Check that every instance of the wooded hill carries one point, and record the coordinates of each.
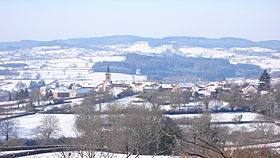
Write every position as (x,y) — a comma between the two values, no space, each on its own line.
(171,65)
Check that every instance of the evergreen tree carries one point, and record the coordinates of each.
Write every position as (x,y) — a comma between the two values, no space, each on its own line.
(264,81)
(33,85)
(41,83)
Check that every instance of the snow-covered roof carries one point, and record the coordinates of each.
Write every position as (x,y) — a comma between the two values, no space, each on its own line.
(83,90)
(148,87)
(117,90)
(63,90)
(49,87)
(249,86)
(186,84)
(166,86)
(85,84)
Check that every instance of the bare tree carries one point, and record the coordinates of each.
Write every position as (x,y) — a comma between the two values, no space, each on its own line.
(48,128)
(8,128)
(35,96)
(200,138)
(263,130)
(89,130)
(129,130)
(142,131)
(206,101)
(234,98)
(180,98)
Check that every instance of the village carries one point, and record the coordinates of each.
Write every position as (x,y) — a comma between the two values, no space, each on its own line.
(241,110)
(230,95)
(238,106)
(54,92)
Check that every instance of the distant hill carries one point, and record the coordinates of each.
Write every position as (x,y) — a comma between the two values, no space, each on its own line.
(168,58)
(226,42)
(175,66)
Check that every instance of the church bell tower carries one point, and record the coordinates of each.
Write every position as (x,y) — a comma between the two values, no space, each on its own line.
(108,75)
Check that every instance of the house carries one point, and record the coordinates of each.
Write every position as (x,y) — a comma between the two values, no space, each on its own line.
(197,88)
(224,85)
(212,89)
(79,92)
(250,88)
(183,86)
(61,93)
(137,87)
(166,87)
(152,87)
(45,89)
(77,86)
(212,92)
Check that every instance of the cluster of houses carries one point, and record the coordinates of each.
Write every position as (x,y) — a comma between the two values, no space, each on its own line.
(117,89)
(82,89)
(200,89)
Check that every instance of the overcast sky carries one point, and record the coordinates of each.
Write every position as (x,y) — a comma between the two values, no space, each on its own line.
(62,19)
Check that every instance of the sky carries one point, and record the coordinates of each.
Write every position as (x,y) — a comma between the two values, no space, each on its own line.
(62,19)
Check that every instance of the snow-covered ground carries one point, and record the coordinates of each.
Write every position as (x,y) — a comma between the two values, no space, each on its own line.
(66,122)
(12,152)
(55,57)
(250,127)
(222,117)
(275,145)
(64,69)
(141,47)
(27,124)
(250,55)
(233,116)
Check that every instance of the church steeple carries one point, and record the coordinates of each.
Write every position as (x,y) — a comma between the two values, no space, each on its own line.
(108,75)
(108,69)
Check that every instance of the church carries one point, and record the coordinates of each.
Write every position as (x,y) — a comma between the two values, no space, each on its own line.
(107,84)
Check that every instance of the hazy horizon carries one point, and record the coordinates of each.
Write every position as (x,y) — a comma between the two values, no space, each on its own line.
(46,20)
(134,35)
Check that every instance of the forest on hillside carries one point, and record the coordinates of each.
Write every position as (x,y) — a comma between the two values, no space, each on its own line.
(168,66)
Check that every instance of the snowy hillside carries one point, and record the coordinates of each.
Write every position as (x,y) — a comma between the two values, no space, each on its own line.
(73,59)
(248,53)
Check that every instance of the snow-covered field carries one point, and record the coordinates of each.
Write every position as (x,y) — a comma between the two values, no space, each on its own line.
(44,59)
(27,124)
(75,64)
(275,145)
(250,127)
(222,117)
(12,152)
(66,122)
(64,69)
(232,116)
